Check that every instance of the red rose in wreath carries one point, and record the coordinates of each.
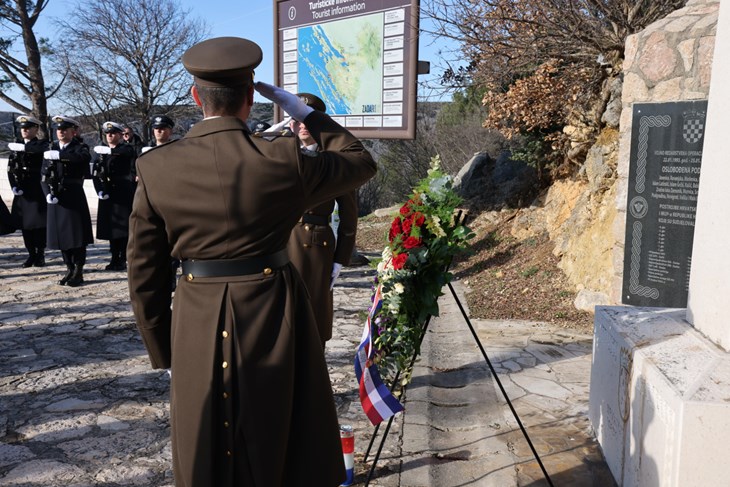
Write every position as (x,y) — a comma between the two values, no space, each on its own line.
(418,218)
(411,242)
(399,261)
(395,229)
(407,223)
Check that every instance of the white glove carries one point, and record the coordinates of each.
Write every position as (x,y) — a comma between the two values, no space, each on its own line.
(103,150)
(169,373)
(279,126)
(336,268)
(145,149)
(289,102)
(103,195)
(52,155)
(51,200)
(16,147)
(17,192)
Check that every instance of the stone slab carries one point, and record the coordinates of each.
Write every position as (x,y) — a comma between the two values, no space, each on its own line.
(658,391)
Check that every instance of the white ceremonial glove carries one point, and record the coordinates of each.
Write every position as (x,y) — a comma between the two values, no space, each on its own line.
(52,155)
(279,126)
(16,147)
(169,373)
(336,268)
(289,102)
(17,191)
(145,149)
(51,200)
(102,150)
(103,195)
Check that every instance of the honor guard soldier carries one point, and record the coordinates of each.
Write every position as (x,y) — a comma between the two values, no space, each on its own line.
(29,204)
(62,177)
(313,248)
(251,397)
(162,126)
(114,177)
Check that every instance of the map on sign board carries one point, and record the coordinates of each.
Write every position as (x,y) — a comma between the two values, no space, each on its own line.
(342,62)
(358,56)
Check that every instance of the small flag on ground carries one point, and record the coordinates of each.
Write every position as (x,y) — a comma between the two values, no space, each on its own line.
(377,401)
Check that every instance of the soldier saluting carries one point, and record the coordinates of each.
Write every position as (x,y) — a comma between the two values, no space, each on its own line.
(251,401)
(62,177)
(114,180)
(29,203)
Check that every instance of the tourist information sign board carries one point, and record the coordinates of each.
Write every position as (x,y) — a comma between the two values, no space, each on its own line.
(359,56)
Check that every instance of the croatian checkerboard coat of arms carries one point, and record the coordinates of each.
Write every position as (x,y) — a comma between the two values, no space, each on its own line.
(693,128)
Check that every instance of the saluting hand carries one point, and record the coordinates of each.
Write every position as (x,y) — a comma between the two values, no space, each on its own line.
(289,102)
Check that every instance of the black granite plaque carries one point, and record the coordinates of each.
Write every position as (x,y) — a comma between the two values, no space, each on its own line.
(664,177)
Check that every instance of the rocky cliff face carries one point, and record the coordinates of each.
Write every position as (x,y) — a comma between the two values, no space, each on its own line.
(585,216)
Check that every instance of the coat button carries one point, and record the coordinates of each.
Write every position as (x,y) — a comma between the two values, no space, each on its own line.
(306,227)
(228,453)
(324,244)
(225,395)
(224,365)
(226,424)
(267,271)
(190,277)
(225,334)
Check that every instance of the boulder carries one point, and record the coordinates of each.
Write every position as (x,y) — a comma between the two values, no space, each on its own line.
(496,183)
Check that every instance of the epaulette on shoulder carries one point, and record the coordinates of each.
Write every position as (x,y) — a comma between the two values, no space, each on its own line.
(273,135)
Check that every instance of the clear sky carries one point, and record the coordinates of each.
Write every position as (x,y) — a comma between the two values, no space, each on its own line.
(253,20)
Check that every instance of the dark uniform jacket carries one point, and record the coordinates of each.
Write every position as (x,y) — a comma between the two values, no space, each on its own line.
(114,175)
(251,401)
(6,223)
(313,249)
(69,221)
(29,209)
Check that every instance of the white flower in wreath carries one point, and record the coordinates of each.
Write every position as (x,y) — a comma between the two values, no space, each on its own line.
(439,185)
(436,227)
(399,288)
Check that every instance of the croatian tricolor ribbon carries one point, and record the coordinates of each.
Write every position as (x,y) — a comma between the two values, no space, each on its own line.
(377,401)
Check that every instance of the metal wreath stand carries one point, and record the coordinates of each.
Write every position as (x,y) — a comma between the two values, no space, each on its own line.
(462,220)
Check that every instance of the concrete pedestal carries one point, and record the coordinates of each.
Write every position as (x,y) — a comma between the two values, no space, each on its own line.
(660,399)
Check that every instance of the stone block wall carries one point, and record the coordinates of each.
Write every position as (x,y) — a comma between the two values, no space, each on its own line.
(669,61)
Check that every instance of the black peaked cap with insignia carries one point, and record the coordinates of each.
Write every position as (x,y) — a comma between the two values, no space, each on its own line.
(160,121)
(222,61)
(313,101)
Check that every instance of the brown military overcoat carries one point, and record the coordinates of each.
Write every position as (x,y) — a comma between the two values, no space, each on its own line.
(251,401)
(313,249)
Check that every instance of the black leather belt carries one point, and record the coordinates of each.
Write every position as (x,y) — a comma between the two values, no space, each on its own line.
(234,267)
(315,219)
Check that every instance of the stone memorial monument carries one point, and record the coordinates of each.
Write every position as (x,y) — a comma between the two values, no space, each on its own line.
(660,381)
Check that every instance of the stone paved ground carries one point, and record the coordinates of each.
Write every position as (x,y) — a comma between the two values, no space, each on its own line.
(79,405)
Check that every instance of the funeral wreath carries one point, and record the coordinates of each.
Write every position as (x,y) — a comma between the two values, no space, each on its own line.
(424,236)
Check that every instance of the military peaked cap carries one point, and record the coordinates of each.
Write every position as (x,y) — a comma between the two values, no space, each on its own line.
(313,101)
(258,125)
(160,121)
(223,61)
(110,127)
(64,122)
(25,121)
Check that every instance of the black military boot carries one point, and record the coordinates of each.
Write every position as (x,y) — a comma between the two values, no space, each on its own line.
(77,276)
(69,272)
(112,265)
(40,257)
(31,258)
